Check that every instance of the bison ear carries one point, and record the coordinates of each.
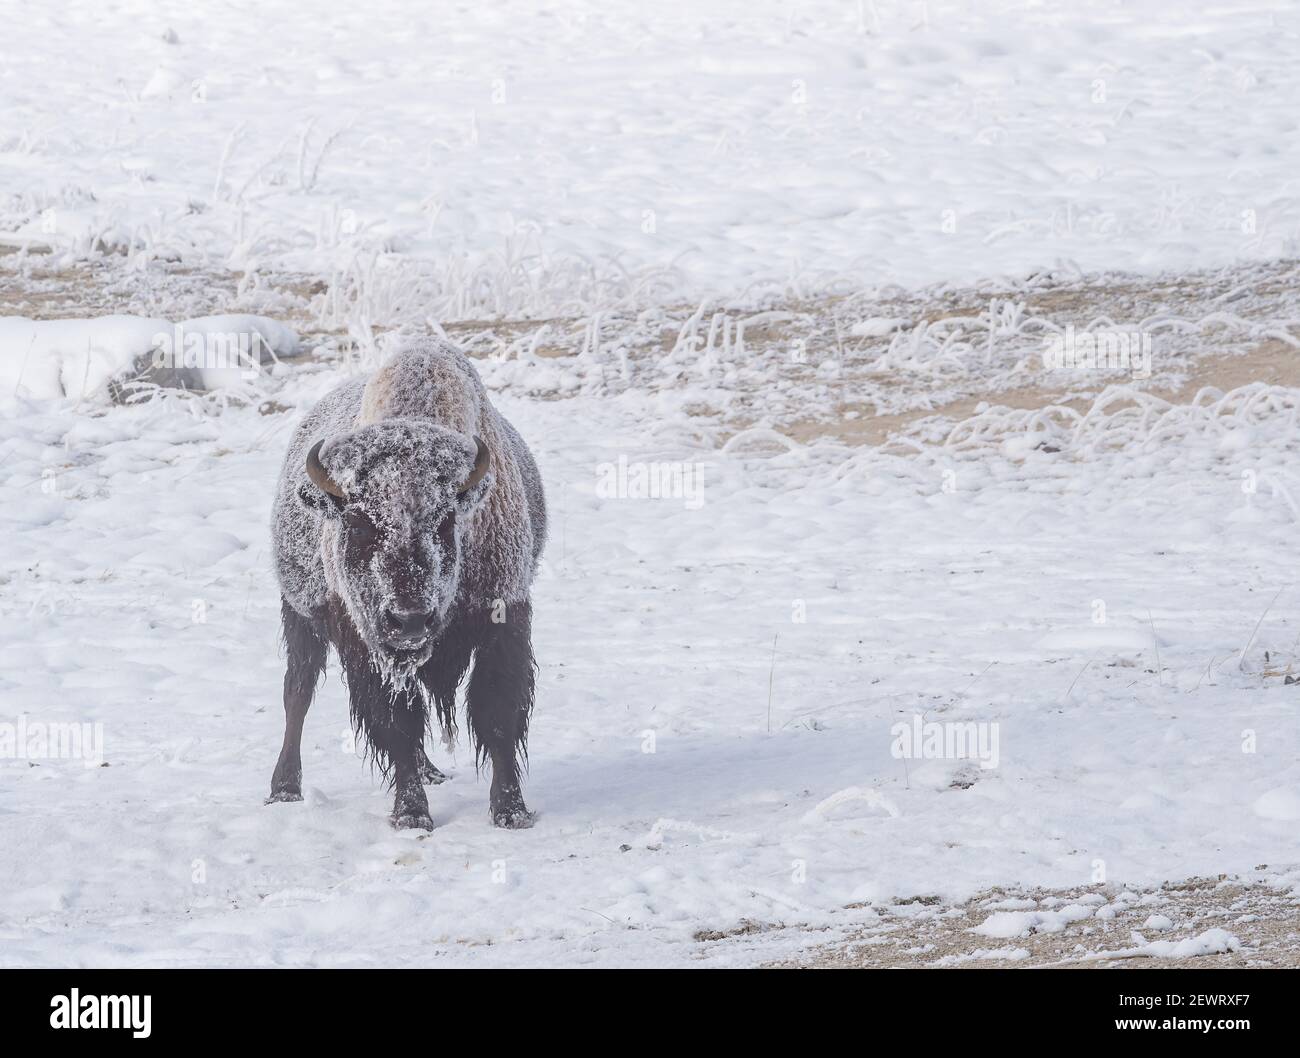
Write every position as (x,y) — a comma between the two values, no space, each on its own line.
(321,502)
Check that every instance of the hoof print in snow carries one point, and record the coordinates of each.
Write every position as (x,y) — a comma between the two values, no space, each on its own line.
(964,779)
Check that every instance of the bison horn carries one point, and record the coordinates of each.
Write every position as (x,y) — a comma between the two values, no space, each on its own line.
(319,474)
(480,467)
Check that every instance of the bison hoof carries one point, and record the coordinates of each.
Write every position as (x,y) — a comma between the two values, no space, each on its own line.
(516,817)
(412,821)
(278,796)
(431,776)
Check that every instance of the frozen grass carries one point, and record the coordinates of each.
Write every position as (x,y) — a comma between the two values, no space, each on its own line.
(856,366)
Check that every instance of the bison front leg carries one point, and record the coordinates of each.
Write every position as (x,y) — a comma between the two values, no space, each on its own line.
(390,719)
(393,723)
(499,700)
(306,646)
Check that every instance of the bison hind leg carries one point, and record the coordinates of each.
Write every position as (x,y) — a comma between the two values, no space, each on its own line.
(429,774)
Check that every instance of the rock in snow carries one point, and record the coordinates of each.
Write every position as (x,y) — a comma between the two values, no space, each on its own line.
(87,358)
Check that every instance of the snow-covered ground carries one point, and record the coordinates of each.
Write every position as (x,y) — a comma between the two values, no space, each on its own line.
(1104,595)
(720,675)
(542,155)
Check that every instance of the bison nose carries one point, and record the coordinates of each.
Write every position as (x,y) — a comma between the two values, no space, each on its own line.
(409,625)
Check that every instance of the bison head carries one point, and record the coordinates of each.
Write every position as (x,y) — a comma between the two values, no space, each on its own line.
(397,496)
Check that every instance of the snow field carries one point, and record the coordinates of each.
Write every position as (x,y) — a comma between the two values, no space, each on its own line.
(562,154)
(138,594)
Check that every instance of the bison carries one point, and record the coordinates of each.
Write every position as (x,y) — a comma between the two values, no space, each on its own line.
(407,529)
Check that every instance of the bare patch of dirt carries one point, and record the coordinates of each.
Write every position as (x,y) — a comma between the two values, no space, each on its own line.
(43,287)
(867,429)
(1225,353)
(1263,919)
(1273,362)
(808,368)
(747,928)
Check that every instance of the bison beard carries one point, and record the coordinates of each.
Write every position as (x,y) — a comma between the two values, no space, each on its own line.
(485,630)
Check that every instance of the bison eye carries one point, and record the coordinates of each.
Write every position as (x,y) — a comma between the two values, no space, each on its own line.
(361,530)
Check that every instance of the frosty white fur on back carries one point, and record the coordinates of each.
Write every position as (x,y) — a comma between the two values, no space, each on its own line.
(424,405)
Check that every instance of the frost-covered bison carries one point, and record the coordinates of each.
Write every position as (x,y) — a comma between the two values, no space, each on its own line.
(407,529)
